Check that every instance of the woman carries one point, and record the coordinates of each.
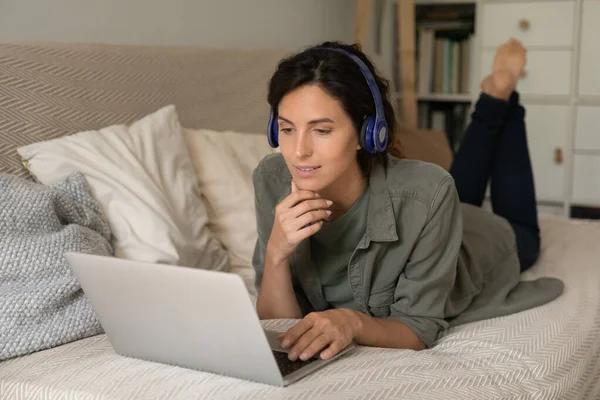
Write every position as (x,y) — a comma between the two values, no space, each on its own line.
(379,250)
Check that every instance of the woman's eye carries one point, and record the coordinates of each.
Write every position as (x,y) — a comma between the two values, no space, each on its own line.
(286,130)
(323,131)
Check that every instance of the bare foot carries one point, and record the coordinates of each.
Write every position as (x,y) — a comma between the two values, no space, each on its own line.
(499,84)
(487,85)
(509,65)
(510,56)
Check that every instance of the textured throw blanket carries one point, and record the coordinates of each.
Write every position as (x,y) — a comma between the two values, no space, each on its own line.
(41,302)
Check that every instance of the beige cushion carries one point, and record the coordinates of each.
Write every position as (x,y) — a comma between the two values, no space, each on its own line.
(425,145)
(144,180)
(224,162)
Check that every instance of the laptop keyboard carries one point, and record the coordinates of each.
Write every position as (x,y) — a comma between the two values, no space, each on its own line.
(286,366)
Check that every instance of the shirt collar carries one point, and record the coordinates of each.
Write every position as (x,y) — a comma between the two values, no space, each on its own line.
(381,221)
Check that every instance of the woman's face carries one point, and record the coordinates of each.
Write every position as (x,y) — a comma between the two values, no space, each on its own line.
(317,139)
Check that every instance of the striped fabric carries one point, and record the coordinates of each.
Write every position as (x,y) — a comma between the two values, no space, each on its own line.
(51,90)
(550,352)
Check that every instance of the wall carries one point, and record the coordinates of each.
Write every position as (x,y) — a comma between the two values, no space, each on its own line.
(215,23)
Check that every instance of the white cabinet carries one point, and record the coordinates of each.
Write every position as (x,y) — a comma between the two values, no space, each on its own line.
(547,127)
(547,28)
(587,129)
(586,180)
(586,164)
(548,72)
(589,64)
(560,89)
(539,24)
(585,187)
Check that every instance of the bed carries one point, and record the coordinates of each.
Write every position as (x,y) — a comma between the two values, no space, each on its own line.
(49,90)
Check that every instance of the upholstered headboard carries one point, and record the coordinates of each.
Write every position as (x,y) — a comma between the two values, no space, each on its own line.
(51,90)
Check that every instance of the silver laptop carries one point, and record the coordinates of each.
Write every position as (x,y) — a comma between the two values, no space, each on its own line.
(192,318)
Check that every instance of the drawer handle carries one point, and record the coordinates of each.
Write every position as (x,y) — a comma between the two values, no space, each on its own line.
(558,155)
(524,24)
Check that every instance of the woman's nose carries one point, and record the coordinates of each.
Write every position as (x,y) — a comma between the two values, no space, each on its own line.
(303,145)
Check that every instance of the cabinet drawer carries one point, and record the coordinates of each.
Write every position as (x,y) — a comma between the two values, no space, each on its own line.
(548,72)
(589,65)
(586,180)
(546,134)
(587,130)
(546,24)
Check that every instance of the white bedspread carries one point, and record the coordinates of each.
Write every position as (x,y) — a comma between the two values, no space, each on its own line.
(549,352)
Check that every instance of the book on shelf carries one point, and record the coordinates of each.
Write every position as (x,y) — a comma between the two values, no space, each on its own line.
(452,118)
(443,45)
(442,63)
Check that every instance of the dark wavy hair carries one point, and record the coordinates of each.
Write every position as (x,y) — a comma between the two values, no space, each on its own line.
(342,79)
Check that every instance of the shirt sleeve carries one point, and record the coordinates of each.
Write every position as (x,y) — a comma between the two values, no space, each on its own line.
(264,206)
(430,272)
(264,225)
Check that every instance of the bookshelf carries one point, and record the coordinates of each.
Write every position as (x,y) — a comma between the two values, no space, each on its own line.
(444,33)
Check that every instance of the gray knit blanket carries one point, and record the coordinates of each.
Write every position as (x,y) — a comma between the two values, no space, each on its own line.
(41,302)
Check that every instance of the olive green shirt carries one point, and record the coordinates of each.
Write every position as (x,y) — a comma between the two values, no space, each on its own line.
(331,248)
(424,259)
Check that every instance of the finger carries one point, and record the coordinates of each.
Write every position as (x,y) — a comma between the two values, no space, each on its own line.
(306,232)
(297,197)
(335,347)
(317,344)
(294,333)
(302,346)
(294,187)
(309,218)
(309,205)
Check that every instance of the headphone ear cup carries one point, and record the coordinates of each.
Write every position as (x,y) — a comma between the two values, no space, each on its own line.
(274,135)
(366,135)
(381,136)
(362,137)
(272,130)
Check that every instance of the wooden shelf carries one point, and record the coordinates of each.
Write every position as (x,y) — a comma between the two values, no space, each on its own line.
(447,97)
(426,2)
(586,152)
(587,100)
(450,97)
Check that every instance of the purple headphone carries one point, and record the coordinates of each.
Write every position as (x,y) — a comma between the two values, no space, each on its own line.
(374,131)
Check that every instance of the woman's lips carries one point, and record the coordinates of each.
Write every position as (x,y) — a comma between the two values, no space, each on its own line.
(306,171)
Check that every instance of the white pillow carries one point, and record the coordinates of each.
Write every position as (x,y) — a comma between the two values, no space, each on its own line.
(224,162)
(144,180)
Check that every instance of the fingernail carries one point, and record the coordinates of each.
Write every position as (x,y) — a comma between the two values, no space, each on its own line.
(292,356)
(304,356)
(324,355)
(329,202)
(328,212)
(285,343)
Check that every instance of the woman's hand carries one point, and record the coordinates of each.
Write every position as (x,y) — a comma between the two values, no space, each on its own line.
(334,329)
(297,217)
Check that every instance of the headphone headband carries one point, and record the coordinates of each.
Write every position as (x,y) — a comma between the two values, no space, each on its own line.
(379,114)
